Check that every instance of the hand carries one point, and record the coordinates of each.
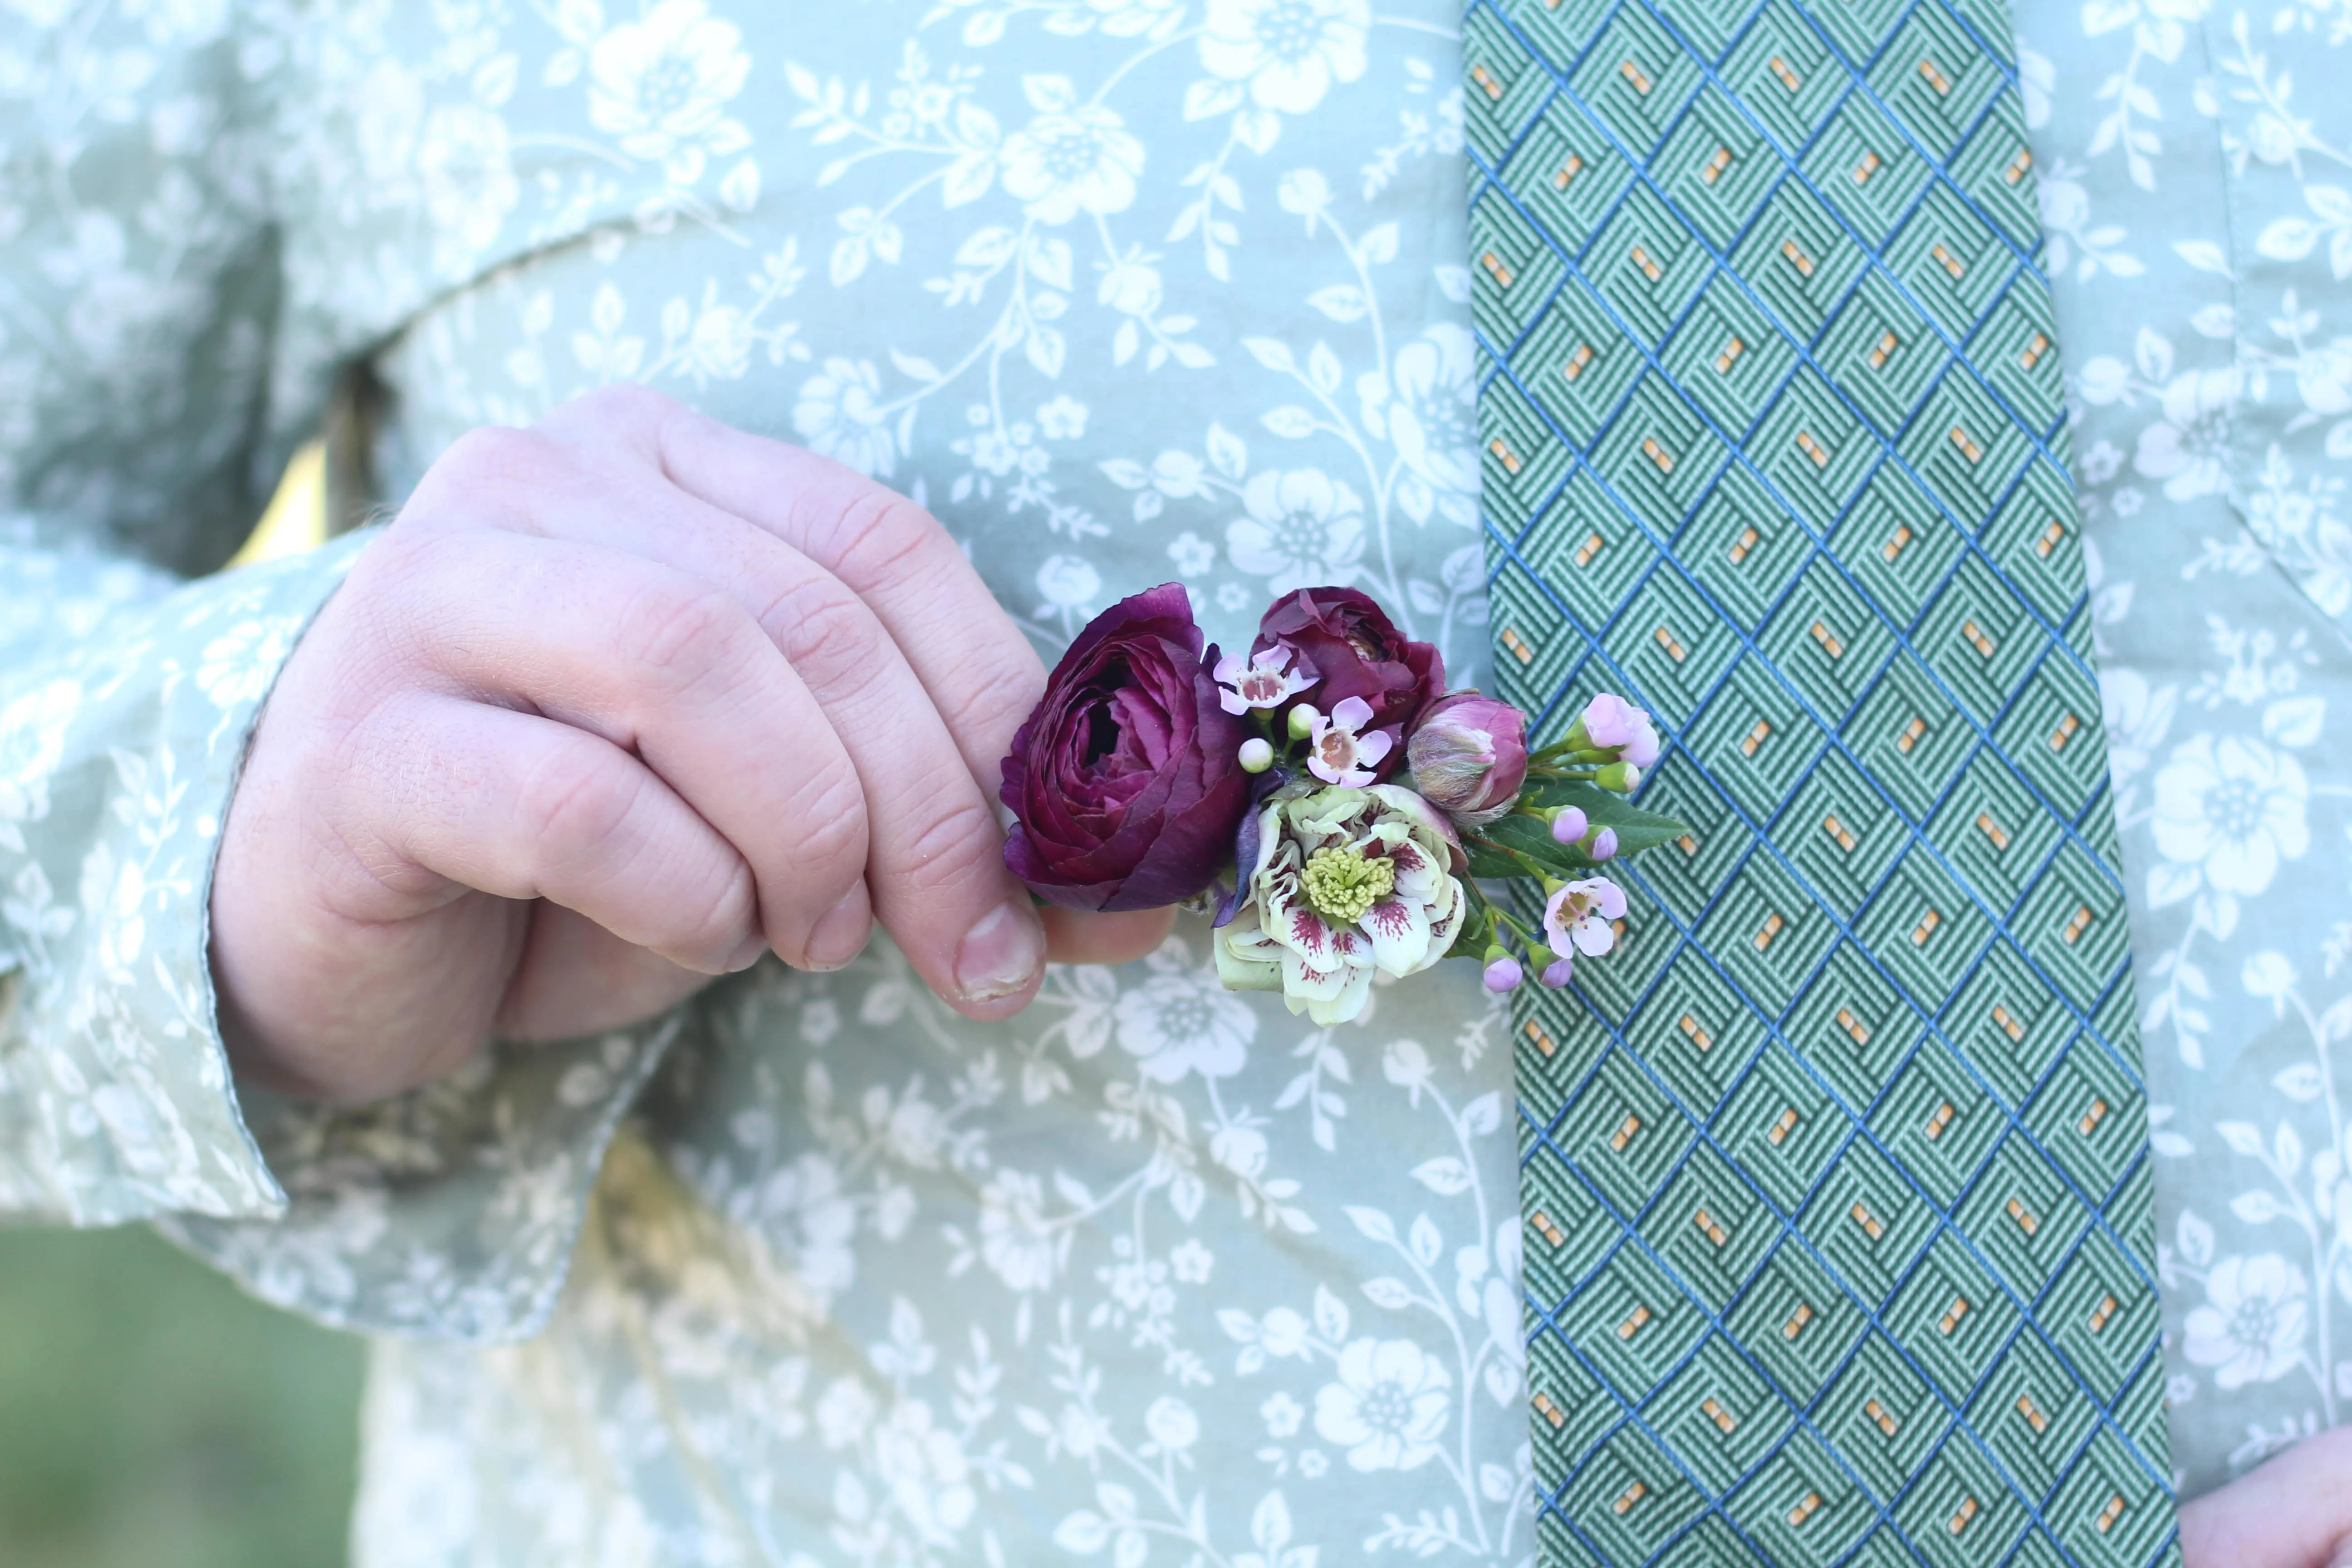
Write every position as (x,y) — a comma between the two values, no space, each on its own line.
(2293,1511)
(619,703)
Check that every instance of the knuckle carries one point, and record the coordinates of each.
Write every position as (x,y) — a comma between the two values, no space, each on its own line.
(677,633)
(568,808)
(830,828)
(832,639)
(952,841)
(623,399)
(499,454)
(491,473)
(880,535)
(996,687)
(618,406)
(724,917)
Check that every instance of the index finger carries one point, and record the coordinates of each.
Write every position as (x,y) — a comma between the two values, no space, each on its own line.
(984,680)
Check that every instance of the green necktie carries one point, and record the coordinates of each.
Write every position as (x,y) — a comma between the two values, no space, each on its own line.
(1839,1231)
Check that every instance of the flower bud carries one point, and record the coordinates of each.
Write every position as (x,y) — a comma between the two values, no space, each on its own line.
(1257,755)
(1642,749)
(1616,728)
(1469,756)
(1569,823)
(1619,778)
(1610,720)
(1602,845)
(1550,968)
(1302,721)
(1503,973)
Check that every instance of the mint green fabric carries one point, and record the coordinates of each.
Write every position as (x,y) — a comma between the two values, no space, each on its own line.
(866,1284)
(1840,1225)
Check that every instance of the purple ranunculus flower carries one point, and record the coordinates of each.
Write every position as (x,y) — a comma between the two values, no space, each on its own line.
(1126,782)
(1469,756)
(1355,651)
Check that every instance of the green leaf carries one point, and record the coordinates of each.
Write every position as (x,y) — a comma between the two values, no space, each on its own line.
(1491,859)
(1636,829)
(1491,847)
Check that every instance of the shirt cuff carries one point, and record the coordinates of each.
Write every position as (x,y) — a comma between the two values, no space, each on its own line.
(448,1211)
(118,751)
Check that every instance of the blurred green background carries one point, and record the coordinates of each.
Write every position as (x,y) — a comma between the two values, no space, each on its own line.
(152,1415)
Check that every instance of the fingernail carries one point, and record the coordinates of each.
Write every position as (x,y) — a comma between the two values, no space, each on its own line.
(754,948)
(841,932)
(1000,955)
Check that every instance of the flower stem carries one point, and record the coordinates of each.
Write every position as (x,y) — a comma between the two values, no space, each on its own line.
(1535,868)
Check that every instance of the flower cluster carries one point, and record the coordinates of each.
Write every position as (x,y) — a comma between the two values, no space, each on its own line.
(1352,814)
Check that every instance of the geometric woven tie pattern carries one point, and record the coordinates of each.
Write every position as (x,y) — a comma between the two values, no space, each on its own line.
(1839,1231)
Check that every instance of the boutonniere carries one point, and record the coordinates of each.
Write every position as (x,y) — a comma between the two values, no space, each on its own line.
(1340,809)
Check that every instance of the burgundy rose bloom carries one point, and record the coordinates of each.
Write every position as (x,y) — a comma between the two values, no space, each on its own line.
(1126,782)
(1344,638)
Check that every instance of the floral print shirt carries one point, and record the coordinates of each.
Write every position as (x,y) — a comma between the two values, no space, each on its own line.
(809,1270)
(2194,163)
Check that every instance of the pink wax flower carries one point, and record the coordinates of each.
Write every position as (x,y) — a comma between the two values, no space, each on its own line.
(1269,680)
(1578,916)
(1342,754)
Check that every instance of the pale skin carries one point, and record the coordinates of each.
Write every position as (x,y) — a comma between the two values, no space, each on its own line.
(2295,1511)
(629,699)
(617,704)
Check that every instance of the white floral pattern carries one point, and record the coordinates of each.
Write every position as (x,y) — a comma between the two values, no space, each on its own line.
(2255,1321)
(1118,288)
(1388,1408)
(1115,289)
(2193,197)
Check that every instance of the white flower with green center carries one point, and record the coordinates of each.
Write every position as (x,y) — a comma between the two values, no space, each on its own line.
(1343,882)
(1340,884)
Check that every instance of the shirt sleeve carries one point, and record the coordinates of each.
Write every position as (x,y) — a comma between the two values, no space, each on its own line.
(125,701)
(153,373)
(137,292)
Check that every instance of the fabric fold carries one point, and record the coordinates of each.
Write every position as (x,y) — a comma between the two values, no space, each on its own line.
(2281,418)
(449,1212)
(118,751)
